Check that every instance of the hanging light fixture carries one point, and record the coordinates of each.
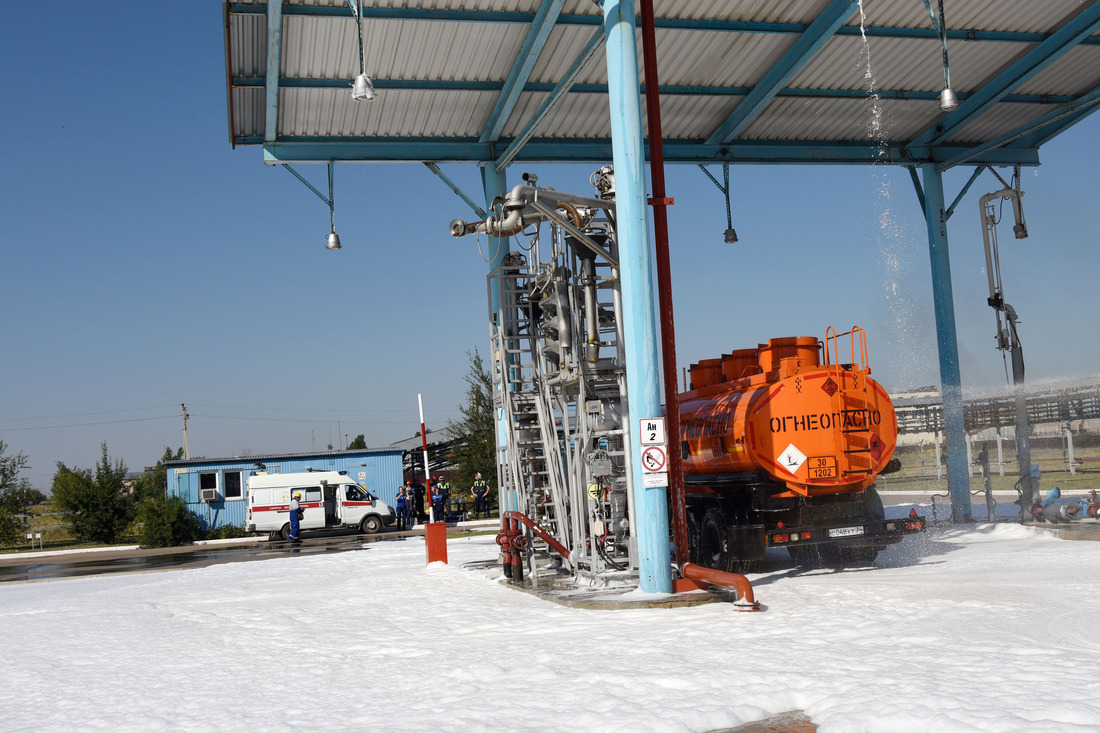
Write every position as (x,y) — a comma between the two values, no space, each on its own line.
(948,99)
(730,235)
(332,242)
(362,88)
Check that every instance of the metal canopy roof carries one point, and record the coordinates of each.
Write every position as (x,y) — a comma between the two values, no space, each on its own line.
(755,81)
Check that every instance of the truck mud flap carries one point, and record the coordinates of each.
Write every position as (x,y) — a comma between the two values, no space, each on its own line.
(746,542)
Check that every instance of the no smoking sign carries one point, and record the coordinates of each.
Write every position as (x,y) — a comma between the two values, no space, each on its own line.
(655,459)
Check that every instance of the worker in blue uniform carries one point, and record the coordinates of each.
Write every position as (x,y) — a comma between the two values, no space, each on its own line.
(295,516)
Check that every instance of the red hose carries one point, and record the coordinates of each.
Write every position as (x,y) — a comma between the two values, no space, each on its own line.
(746,601)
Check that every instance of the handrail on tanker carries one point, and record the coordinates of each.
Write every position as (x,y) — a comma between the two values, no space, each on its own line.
(831,338)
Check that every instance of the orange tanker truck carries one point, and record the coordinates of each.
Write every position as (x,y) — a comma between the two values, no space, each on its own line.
(781,447)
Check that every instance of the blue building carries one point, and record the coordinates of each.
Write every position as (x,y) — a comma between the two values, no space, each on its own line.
(223,482)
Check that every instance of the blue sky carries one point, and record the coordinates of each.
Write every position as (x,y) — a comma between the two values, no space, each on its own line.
(148,264)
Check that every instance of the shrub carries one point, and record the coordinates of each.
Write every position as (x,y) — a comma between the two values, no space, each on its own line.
(166,523)
(225,532)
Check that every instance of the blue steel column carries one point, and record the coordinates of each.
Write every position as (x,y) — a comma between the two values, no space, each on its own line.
(493,184)
(639,324)
(958,479)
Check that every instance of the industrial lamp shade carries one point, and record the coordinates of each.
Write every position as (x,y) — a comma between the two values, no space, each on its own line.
(731,236)
(333,241)
(948,100)
(362,89)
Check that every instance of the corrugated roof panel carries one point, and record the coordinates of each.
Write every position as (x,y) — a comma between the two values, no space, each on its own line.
(576,116)
(563,46)
(248,117)
(525,6)
(248,45)
(718,59)
(810,118)
(1018,16)
(763,11)
(904,64)
(326,48)
(396,113)
(693,117)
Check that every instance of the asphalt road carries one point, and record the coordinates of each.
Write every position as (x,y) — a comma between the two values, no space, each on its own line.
(72,564)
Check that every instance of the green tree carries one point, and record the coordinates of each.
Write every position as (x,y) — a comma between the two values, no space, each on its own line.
(166,522)
(153,484)
(96,506)
(360,443)
(474,442)
(15,495)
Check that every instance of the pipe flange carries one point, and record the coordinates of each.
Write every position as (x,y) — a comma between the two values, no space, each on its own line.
(503,539)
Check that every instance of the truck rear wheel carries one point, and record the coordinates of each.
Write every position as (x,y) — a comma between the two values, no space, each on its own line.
(713,545)
(371,524)
(284,533)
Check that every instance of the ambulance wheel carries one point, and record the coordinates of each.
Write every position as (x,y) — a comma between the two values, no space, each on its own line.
(284,533)
(371,524)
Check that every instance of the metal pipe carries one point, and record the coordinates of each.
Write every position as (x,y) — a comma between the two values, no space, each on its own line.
(664,285)
(746,600)
(639,325)
(530,523)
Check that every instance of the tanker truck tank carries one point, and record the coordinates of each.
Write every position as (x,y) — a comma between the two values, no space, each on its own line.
(781,447)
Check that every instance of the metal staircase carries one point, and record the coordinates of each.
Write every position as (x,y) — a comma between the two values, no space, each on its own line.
(559,382)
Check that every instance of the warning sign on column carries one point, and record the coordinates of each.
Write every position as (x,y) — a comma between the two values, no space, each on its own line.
(654,459)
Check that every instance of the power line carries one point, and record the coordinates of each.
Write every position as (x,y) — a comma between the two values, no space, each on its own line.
(86,424)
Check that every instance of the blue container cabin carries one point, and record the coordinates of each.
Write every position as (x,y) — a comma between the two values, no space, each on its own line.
(225,480)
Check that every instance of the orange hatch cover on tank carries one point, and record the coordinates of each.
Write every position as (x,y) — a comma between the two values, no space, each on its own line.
(817,428)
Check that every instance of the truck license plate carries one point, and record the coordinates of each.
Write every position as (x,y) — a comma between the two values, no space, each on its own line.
(845,531)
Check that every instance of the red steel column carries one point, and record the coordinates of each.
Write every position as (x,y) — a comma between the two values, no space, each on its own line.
(664,283)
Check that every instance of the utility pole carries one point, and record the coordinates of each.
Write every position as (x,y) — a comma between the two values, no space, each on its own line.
(186,448)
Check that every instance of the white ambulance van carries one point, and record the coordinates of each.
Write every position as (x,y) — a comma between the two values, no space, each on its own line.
(329,499)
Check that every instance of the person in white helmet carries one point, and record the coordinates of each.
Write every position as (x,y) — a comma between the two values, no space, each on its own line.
(480,490)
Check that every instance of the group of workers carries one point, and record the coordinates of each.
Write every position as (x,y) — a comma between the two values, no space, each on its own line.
(410,503)
(411,496)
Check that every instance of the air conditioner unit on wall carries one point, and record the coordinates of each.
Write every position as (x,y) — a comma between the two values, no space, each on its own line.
(208,495)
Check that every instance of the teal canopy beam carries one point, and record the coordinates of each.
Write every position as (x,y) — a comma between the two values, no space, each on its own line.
(310,186)
(1055,127)
(524,63)
(594,44)
(469,85)
(958,475)
(1090,100)
(920,190)
(1054,47)
(808,44)
(973,177)
(481,213)
(271,83)
(590,150)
